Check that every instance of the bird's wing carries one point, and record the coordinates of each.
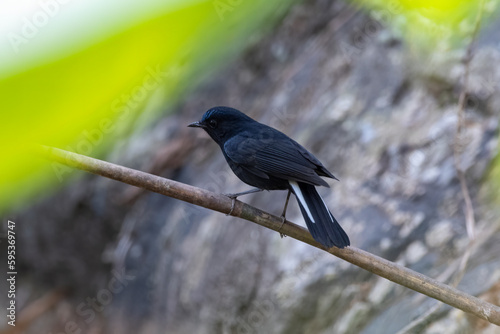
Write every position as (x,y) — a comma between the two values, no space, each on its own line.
(275,155)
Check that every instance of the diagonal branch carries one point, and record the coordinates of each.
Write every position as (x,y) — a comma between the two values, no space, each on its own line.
(221,203)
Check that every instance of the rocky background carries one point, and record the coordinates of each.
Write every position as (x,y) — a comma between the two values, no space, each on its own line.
(380,117)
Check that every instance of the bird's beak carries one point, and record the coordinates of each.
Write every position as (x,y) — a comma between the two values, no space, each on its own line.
(195,125)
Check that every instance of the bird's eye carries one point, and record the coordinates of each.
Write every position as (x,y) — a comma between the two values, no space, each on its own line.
(212,123)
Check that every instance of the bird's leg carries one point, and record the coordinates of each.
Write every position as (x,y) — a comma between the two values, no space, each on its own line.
(251,191)
(236,195)
(283,215)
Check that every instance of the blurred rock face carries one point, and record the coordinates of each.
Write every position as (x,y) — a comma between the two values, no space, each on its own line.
(383,121)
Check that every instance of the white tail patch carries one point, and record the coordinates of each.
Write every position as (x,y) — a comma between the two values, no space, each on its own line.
(333,219)
(301,199)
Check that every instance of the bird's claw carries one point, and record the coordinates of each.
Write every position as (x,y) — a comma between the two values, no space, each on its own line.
(283,219)
(233,201)
(231,196)
(236,195)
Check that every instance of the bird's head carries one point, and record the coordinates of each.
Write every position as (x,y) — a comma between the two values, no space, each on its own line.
(221,123)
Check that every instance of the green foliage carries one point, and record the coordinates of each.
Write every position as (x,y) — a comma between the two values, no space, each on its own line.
(85,89)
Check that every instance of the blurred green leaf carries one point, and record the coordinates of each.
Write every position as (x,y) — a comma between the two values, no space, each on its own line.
(427,24)
(81,92)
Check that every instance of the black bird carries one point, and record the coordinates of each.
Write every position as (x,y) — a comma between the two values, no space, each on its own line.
(268,159)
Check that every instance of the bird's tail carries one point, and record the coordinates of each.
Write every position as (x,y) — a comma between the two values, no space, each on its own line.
(321,224)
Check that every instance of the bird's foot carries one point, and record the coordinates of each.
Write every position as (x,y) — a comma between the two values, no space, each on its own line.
(236,195)
(283,214)
(233,201)
(232,196)
(283,220)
